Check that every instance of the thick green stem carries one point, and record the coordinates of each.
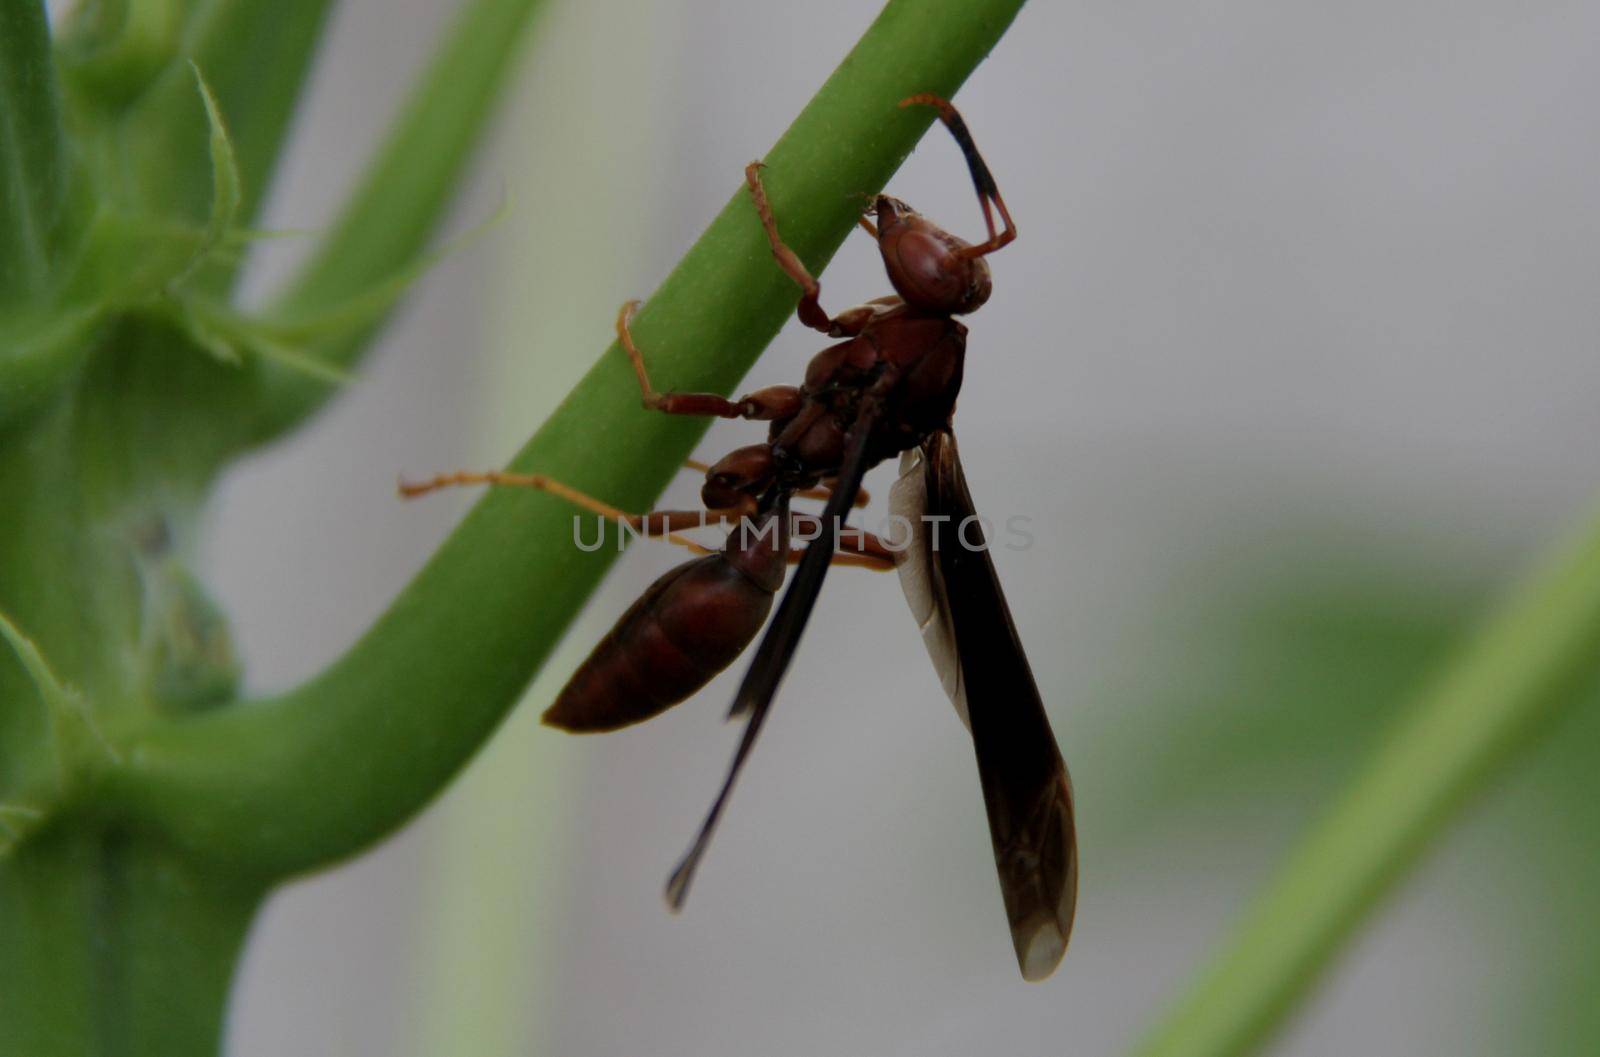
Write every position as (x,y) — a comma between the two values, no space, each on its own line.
(33,153)
(299,780)
(1529,663)
(115,947)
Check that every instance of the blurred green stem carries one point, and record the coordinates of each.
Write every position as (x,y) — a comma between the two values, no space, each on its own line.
(116,946)
(1526,665)
(392,214)
(33,155)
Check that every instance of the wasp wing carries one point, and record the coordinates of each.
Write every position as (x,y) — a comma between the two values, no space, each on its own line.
(783,636)
(955,596)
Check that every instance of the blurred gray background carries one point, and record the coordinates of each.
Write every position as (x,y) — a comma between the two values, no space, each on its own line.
(1293,366)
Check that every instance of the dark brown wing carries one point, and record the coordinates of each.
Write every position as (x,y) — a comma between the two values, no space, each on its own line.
(957,599)
(778,645)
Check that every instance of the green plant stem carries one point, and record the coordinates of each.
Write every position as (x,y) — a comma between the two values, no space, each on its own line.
(117,408)
(33,156)
(401,197)
(1529,663)
(116,947)
(292,782)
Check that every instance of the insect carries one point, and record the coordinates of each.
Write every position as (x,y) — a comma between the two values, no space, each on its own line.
(887,388)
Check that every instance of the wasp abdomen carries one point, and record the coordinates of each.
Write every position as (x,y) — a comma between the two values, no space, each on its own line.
(686,628)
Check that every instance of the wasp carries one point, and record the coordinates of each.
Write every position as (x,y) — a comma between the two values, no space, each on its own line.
(886,388)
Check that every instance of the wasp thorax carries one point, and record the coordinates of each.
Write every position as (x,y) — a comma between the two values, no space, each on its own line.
(926,263)
(737,477)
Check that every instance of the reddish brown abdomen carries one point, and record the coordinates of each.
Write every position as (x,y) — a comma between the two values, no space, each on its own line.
(686,628)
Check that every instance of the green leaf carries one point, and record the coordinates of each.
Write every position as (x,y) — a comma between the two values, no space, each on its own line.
(291,343)
(1525,668)
(69,719)
(333,320)
(296,781)
(225,190)
(223,332)
(255,54)
(385,227)
(192,318)
(215,243)
(33,153)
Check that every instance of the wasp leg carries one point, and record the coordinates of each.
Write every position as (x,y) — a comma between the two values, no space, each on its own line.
(763,405)
(810,309)
(855,546)
(823,491)
(664,523)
